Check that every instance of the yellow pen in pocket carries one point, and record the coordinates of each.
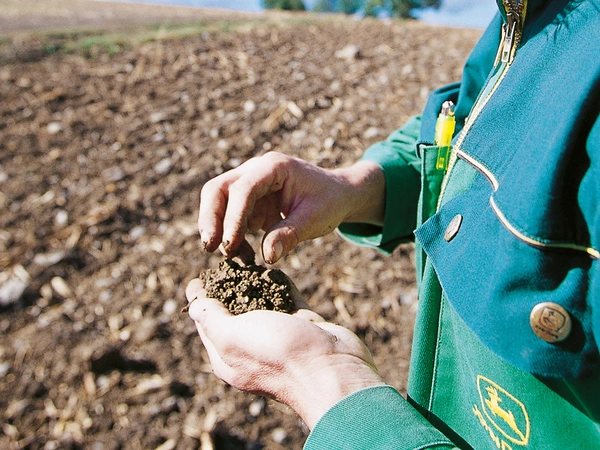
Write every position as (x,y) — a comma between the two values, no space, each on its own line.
(444,129)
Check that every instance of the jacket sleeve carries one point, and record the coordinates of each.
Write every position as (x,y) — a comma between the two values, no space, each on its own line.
(375,418)
(400,161)
(401,167)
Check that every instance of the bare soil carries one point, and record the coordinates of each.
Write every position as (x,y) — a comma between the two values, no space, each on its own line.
(102,157)
(248,288)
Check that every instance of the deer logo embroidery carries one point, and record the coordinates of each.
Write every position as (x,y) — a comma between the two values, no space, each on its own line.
(494,405)
(502,410)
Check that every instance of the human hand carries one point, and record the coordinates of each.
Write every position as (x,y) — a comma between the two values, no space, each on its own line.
(290,199)
(298,359)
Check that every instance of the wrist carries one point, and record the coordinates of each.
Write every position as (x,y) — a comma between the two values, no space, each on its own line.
(366,192)
(322,388)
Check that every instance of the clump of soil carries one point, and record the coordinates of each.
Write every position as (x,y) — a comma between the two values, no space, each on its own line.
(248,288)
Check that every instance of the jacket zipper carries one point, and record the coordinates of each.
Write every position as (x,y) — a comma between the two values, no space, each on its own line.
(512,31)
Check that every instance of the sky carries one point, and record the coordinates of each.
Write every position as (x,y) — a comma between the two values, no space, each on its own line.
(459,13)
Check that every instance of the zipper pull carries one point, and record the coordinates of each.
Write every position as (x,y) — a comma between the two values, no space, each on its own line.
(510,30)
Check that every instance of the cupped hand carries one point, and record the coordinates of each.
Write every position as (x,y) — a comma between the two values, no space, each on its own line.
(298,359)
(290,199)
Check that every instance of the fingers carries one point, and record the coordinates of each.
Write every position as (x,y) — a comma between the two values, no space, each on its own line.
(280,239)
(202,308)
(213,203)
(194,290)
(200,305)
(266,213)
(243,197)
(199,311)
(244,252)
(227,203)
(309,315)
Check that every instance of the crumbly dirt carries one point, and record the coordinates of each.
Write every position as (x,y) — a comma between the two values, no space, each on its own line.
(102,158)
(248,288)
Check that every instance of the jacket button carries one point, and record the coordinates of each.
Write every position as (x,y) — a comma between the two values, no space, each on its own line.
(453,227)
(550,322)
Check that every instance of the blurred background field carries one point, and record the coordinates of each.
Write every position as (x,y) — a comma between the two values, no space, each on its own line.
(112,117)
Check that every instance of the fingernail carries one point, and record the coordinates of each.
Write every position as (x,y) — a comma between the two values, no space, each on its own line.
(207,241)
(277,251)
(192,289)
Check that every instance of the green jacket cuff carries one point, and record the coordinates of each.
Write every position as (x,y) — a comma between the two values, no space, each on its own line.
(401,167)
(375,418)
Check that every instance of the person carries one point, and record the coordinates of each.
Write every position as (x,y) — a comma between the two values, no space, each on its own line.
(505,350)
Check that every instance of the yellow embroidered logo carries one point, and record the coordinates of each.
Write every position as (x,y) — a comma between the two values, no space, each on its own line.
(501,415)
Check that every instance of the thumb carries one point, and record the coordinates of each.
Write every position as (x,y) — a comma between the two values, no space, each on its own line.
(280,239)
(200,305)
(201,308)
(194,290)
(209,330)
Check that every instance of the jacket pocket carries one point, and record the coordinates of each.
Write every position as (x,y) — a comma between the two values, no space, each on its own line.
(431,180)
(494,280)
(546,216)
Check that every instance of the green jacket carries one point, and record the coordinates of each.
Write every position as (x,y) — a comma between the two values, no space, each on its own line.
(505,353)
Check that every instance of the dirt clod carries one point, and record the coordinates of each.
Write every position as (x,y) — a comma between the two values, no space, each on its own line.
(248,288)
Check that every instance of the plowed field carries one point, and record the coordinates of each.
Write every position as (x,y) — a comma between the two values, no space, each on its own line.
(104,146)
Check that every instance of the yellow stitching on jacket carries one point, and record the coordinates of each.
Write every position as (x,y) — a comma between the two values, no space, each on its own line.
(510,8)
(479,166)
(595,254)
(479,105)
(510,227)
